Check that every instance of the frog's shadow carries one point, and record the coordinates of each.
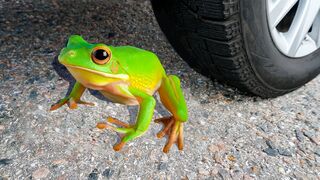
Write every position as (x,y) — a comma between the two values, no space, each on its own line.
(133,110)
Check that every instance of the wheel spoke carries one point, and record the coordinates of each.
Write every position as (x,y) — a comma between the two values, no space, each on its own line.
(315,33)
(278,9)
(302,22)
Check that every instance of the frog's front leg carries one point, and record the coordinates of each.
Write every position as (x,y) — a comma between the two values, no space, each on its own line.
(73,98)
(172,98)
(147,104)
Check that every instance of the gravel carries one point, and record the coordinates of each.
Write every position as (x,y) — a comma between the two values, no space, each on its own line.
(226,135)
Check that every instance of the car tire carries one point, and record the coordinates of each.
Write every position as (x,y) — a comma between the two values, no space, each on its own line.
(231,40)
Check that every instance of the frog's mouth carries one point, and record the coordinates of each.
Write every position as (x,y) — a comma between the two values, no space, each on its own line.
(92,78)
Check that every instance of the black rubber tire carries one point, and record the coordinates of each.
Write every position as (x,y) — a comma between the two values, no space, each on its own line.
(229,40)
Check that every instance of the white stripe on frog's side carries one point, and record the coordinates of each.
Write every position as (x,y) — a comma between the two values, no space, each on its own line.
(118,76)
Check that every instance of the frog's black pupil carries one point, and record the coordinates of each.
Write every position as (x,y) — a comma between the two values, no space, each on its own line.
(100,54)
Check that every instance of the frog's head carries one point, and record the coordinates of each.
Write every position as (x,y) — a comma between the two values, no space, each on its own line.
(93,65)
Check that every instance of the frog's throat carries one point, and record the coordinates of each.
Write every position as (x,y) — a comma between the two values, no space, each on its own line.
(115,76)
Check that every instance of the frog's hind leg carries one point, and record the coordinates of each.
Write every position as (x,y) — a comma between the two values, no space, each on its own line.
(172,98)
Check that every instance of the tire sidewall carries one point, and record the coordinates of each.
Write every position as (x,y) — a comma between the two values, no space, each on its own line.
(273,68)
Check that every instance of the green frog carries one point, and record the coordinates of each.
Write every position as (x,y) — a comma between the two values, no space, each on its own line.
(126,75)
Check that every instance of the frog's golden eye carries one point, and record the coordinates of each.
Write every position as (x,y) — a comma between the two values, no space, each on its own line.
(100,55)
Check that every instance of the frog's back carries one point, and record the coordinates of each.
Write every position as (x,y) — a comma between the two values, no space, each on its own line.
(143,67)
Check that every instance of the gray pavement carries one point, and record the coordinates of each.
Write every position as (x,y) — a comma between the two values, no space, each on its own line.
(229,134)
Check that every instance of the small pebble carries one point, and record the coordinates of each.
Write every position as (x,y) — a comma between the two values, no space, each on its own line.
(40,173)
(254,169)
(284,152)
(224,174)
(5,161)
(33,94)
(93,175)
(62,177)
(231,158)
(299,135)
(247,177)
(217,157)
(202,122)
(221,145)
(108,173)
(281,170)
(59,161)
(203,172)
(214,171)
(162,166)
(191,175)
(213,148)
(271,152)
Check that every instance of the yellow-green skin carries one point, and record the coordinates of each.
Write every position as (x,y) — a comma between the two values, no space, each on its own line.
(130,77)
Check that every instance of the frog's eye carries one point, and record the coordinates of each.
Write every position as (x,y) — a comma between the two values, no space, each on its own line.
(101,55)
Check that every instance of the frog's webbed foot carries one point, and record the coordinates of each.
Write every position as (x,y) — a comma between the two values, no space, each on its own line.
(172,128)
(73,98)
(126,129)
(72,103)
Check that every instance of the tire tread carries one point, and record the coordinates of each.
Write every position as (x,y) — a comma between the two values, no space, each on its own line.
(210,32)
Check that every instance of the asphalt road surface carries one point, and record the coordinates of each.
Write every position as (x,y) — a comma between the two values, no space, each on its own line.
(229,134)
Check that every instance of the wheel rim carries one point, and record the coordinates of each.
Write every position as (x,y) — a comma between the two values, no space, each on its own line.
(294,26)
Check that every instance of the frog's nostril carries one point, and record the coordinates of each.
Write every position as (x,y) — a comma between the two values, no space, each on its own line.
(71,53)
(66,54)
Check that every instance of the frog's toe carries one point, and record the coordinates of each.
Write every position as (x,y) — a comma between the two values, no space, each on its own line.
(86,103)
(54,107)
(176,136)
(118,122)
(180,137)
(126,132)
(167,122)
(119,146)
(174,129)
(72,104)
(59,104)
(102,125)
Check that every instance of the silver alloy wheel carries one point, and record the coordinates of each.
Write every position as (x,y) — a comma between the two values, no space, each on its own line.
(303,34)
